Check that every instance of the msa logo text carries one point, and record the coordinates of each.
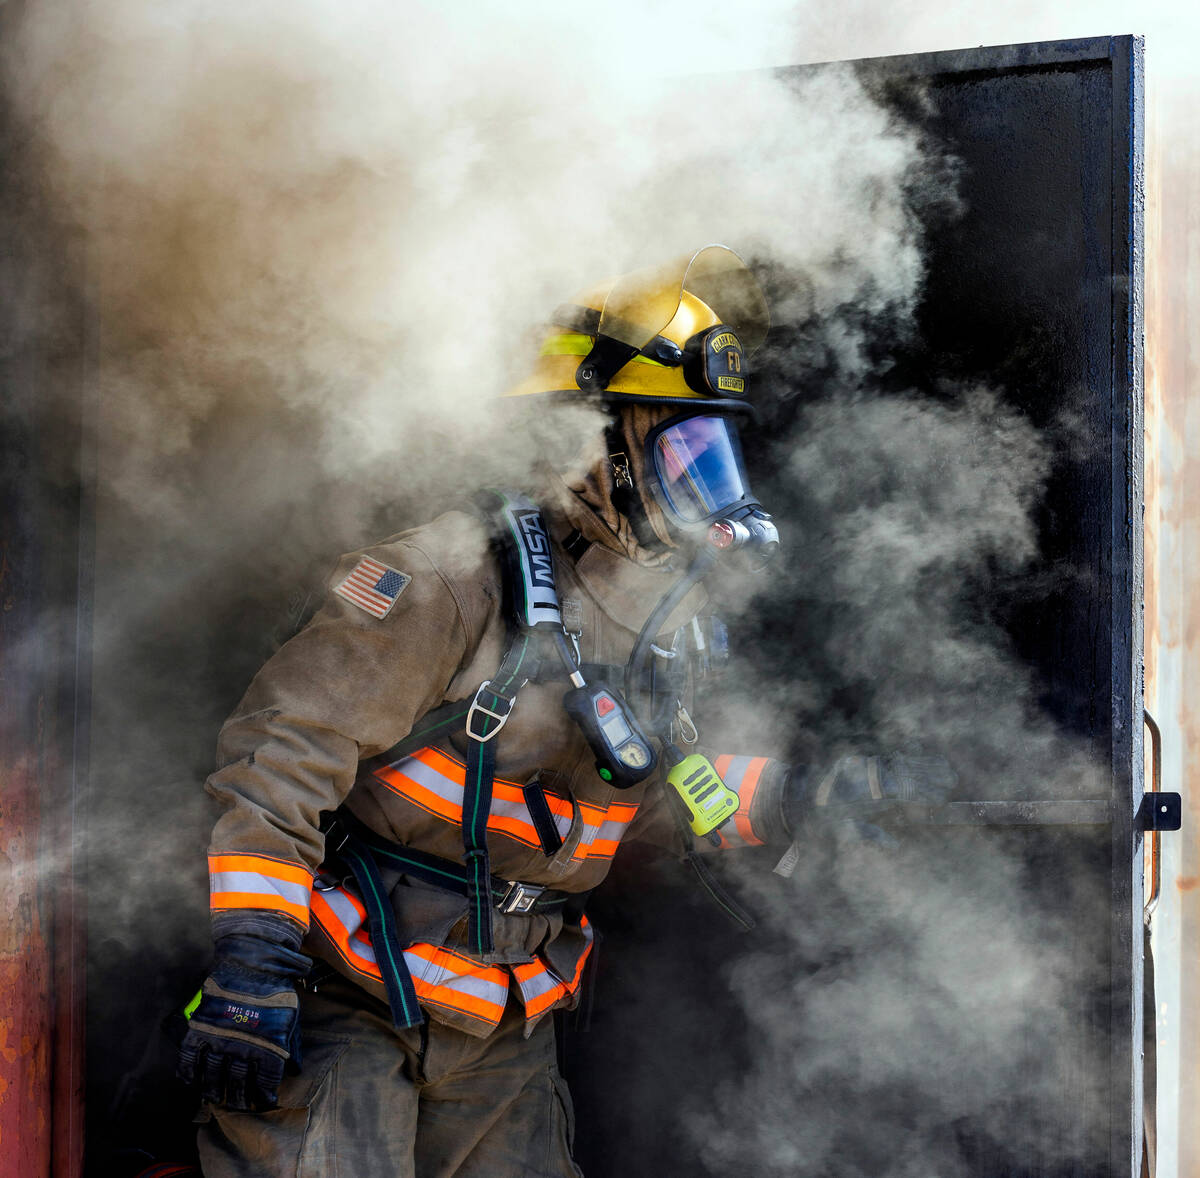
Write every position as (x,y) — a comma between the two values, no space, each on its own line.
(537,546)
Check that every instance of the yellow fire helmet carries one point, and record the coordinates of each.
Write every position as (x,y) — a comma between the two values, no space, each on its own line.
(676,334)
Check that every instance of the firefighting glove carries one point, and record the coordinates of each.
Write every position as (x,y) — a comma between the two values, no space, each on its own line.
(246,1026)
(862,786)
(856,791)
(859,789)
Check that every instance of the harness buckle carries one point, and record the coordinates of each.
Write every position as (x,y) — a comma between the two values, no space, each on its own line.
(477,710)
(519,898)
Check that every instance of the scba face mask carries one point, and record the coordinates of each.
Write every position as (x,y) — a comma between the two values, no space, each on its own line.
(699,480)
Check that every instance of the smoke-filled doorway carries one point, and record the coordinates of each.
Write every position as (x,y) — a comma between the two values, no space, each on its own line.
(961,576)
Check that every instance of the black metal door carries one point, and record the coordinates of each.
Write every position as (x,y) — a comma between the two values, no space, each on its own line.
(982,1018)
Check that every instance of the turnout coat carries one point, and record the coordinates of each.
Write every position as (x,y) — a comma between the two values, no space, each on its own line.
(409,624)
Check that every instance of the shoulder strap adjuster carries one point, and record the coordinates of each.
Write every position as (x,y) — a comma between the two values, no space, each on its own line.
(478,715)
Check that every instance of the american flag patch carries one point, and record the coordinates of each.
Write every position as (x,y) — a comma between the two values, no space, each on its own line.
(373,586)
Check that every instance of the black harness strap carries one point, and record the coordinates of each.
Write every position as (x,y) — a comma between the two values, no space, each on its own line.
(432,869)
(490,709)
(543,819)
(381,922)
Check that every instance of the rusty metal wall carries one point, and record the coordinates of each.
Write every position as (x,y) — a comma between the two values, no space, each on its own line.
(45,596)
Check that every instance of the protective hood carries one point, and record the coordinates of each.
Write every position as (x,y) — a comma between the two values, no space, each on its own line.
(587,500)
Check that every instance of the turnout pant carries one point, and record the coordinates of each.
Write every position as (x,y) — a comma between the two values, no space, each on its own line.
(426,1102)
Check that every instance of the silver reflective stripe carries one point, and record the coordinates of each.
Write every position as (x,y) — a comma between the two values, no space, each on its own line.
(736,773)
(452,792)
(586,836)
(349,919)
(431,779)
(539,984)
(608,829)
(519,812)
(611,830)
(547,980)
(259,884)
(562,823)
(438,975)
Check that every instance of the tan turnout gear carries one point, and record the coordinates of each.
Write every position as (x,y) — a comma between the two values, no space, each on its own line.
(427,1102)
(409,626)
(350,685)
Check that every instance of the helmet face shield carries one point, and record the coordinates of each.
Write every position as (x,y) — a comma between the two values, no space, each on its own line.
(697,467)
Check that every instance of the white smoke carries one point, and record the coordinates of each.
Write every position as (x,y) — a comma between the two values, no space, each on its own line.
(319,239)
(356,214)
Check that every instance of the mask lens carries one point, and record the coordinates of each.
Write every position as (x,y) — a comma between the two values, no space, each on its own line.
(698,467)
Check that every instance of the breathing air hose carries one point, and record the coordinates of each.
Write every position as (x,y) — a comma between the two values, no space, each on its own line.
(635,668)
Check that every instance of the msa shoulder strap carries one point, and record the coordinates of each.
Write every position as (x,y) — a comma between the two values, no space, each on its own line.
(530,590)
(531,612)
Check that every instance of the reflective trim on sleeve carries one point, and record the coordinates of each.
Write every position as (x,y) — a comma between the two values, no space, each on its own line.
(441,977)
(258,881)
(740,774)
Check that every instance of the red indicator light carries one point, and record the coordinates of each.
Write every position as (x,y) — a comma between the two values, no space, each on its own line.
(604,705)
(721,535)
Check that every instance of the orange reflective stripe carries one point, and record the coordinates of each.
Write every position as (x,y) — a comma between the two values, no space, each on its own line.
(745,792)
(541,988)
(259,881)
(435,782)
(740,774)
(587,929)
(418,787)
(441,977)
(283,869)
(457,982)
(335,912)
(603,829)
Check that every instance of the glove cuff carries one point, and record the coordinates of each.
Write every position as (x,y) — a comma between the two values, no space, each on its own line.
(267,926)
(251,965)
(797,800)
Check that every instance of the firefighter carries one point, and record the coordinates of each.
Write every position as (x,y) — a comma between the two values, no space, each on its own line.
(421,787)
